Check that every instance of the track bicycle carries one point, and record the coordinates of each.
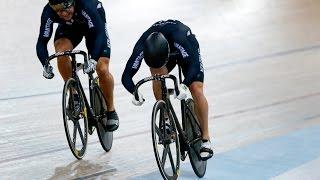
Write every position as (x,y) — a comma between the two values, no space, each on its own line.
(173,141)
(80,117)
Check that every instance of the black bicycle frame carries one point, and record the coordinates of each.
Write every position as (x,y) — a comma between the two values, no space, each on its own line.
(75,76)
(165,97)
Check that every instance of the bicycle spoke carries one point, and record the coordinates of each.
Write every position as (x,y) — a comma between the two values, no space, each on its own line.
(171,161)
(80,133)
(74,135)
(164,154)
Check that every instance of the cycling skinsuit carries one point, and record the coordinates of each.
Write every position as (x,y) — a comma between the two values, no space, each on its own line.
(184,51)
(88,20)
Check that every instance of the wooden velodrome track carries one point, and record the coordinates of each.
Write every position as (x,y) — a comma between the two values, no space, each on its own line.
(261,62)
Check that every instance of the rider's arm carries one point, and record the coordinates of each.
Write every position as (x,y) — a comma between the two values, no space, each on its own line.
(96,24)
(45,33)
(131,69)
(133,65)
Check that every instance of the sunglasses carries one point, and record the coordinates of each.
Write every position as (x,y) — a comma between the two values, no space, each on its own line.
(62,6)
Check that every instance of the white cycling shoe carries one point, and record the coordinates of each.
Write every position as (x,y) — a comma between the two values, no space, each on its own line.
(206,151)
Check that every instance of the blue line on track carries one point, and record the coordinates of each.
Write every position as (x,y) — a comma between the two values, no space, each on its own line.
(262,160)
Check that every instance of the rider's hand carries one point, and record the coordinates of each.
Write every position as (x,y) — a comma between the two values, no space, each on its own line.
(91,66)
(47,72)
(183,90)
(140,100)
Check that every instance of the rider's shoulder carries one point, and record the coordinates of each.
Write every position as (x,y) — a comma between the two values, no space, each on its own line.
(48,11)
(47,8)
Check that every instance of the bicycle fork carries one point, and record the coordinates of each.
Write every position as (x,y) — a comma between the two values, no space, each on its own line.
(183,140)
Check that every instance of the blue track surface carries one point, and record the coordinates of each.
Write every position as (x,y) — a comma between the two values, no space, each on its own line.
(261,160)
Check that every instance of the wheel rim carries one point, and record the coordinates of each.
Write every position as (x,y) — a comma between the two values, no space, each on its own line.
(165,144)
(75,122)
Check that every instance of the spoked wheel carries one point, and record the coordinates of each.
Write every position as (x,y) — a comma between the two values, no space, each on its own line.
(165,141)
(100,109)
(193,132)
(75,118)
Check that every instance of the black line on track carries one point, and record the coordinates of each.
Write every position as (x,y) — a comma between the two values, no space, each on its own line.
(237,62)
(264,57)
(285,101)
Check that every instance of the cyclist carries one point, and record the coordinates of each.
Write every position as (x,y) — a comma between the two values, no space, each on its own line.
(162,46)
(78,18)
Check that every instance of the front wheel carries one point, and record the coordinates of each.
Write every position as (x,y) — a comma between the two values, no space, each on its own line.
(100,109)
(165,141)
(75,118)
(194,136)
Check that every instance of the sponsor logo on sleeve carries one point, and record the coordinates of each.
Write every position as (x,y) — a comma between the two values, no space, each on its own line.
(47,30)
(90,24)
(181,49)
(107,34)
(137,61)
(200,59)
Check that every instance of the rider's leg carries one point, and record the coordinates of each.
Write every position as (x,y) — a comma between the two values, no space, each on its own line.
(107,85)
(156,85)
(201,110)
(65,68)
(201,104)
(64,62)
(106,81)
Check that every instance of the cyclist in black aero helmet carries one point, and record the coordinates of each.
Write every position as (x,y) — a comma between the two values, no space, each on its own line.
(77,19)
(156,50)
(162,46)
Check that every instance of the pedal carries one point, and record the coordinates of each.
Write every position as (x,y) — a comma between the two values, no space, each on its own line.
(91,129)
(183,156)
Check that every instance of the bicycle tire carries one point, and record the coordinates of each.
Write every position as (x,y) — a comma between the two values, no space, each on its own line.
(100,109)
(193,131)
(78,118)
(166,139)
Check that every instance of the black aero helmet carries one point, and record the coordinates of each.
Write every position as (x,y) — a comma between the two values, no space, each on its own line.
(156,50)
(60,4)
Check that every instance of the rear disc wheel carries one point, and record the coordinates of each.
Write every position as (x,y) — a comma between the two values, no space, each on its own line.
(100,110)
(194,135)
